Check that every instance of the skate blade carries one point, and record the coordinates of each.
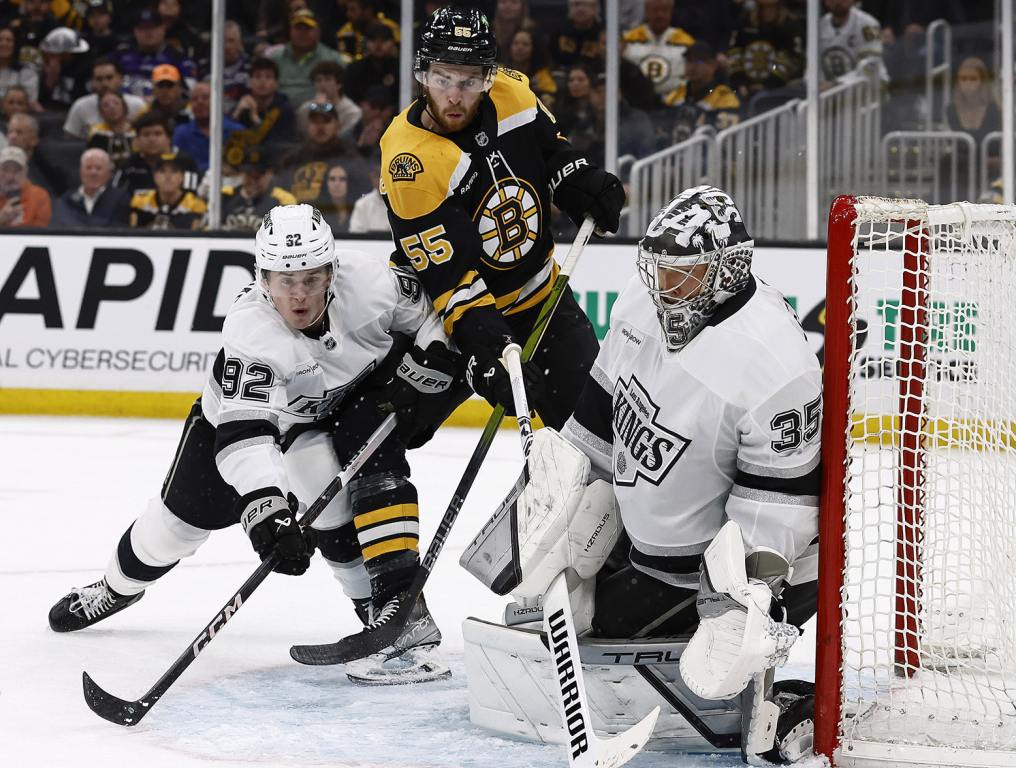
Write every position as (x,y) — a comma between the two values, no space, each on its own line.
(408,669)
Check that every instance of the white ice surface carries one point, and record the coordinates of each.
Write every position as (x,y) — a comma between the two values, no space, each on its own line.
(69,487)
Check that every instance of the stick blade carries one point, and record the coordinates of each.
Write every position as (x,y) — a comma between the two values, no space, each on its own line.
(109,707)
(618,750)
(360,645)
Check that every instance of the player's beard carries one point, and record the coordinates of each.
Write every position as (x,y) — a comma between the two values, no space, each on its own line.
(438,116)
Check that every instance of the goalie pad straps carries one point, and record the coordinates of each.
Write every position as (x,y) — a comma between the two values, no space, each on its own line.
(736,638)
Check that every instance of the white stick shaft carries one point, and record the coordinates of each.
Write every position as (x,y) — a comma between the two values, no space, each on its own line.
(512,357)
(585,232)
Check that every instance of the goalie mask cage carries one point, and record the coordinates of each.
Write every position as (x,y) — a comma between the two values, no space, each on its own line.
(916,647)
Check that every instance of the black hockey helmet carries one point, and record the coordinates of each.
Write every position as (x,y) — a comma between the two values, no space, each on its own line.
(700,227)
(456,34)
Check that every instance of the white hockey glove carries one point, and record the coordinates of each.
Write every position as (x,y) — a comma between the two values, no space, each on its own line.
(736,638)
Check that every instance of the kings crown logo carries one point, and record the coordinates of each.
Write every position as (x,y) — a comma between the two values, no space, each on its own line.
(642,446)
(405,167)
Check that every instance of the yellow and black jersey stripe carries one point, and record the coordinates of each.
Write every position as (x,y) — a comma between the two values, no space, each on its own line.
(671,36)
(149,212)
(470,210)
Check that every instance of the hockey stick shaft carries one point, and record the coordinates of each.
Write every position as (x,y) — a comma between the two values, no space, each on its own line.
(584,748)
(368,642)
(128,713)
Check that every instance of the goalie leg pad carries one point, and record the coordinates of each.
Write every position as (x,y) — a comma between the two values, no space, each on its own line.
(736,639)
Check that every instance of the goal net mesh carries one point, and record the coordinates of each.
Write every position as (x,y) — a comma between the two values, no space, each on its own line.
(928,597)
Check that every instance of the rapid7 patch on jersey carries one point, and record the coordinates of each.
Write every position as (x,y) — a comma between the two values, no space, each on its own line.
(642,446)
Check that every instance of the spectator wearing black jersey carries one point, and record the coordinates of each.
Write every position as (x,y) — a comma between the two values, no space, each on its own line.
(577,39)
(168,205)
(152,144)
(378,66)
(114,134)
(766,50)
(245,205)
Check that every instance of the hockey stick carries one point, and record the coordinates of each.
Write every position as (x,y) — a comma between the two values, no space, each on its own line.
(372,640)
(129,713)
(585,749)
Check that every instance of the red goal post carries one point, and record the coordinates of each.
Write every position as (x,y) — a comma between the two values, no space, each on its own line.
(916,636)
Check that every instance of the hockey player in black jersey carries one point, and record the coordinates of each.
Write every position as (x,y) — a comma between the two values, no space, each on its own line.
(469,172)
(309,355)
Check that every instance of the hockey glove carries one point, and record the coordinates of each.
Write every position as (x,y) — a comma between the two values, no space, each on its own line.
(591,191)
(418,392)
(488,377)
(269,520)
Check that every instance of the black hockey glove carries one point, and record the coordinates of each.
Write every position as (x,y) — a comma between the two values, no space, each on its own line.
(270,522)
(488,377)
(589,191)
(418,392)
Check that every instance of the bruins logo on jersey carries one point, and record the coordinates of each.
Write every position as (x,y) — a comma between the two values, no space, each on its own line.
(405,167)
(508,220)
(656,68)
(642,446)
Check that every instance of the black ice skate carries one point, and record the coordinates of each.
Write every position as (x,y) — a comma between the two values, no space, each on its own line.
(412,658)
(84,606)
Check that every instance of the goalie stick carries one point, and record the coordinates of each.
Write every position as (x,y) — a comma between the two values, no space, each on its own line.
(585,749)
(372,640)
(129,713)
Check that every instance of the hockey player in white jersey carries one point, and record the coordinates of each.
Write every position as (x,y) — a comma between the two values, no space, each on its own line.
(702,413)
(309,354)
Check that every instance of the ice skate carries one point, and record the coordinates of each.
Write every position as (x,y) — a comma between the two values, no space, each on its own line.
(84,606)
(413,658)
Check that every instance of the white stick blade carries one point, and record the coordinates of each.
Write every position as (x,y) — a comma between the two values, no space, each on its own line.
(618,750)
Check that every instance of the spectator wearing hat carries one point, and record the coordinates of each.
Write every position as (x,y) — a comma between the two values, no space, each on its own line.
(265,112)
(64,71)
(30,28)
(329,79)
(96,203)
(146,51)
(169,205)
(379,65)
(244,205)
(22,204)
(115,134)
(193,137)
(13,72)
(360,14)
(297,57)
(168,97)
(306,165)
(151,145)
(702,100)
(107,77)
(236,66)
(378,109)
(98,29)
(335,202)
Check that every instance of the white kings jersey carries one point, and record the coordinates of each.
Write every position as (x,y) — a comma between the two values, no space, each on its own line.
(726,428)
(268,378)
(842,49)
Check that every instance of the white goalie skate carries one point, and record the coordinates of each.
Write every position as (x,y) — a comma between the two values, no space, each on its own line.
(413,658)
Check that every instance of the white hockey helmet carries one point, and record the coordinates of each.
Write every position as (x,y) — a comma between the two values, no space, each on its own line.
(292,238)
(699,227)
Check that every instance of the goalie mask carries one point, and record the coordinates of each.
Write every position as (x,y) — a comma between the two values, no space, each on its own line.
(294,254)
(695,255)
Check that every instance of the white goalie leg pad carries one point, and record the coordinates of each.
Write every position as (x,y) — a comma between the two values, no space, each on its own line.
(736,638)
(553,521)
(563,522)
(311,464)
(158,538)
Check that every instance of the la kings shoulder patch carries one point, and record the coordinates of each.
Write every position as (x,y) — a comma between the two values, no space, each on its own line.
(642,446)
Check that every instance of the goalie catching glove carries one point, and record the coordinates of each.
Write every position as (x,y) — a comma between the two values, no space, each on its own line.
(736,638)
(269,519)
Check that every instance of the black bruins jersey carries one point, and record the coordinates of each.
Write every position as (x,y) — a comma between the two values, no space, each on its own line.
(470,211)
(149,212)
(244,214)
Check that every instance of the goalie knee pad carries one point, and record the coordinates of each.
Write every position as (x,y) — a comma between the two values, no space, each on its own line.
(551,522)
(153,544)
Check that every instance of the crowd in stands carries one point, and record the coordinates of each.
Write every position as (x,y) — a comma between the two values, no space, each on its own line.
(105,104)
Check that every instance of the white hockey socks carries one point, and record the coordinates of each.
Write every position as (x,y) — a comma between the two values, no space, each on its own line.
(736,638)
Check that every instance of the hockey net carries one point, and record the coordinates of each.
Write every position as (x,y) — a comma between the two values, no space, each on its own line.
(916,661)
